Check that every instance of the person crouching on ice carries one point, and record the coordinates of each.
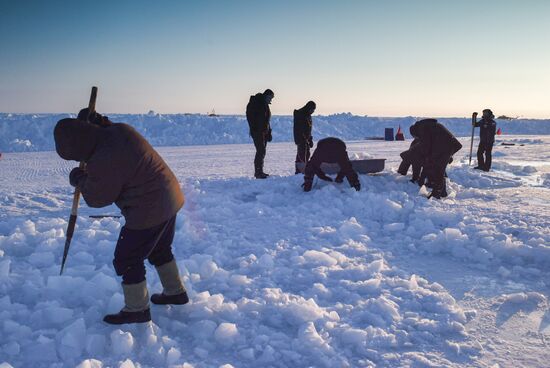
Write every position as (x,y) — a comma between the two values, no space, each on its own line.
(437,146)
(330,150)
(122,167)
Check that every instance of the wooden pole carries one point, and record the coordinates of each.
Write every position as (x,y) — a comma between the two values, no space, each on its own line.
(76,196)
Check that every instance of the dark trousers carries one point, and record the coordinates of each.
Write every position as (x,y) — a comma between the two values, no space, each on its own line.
(135,246)
(260,143)
(302,152)
(487,149)
(437,174)
(416,169)
(404,167)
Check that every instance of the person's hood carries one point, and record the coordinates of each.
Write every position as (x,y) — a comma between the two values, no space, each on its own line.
(421,127)
(307,108)
(258,98)
(414,131)
(75,139)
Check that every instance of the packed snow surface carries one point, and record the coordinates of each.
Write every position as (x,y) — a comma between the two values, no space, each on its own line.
(281,278)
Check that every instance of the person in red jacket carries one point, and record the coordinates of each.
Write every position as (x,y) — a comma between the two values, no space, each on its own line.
(123,168)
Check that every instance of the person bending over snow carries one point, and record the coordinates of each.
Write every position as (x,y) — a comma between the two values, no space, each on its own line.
(330,150)
(122,167)
(437,146)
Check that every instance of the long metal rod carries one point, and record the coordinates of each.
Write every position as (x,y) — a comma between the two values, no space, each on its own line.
(76,195)
(474,116)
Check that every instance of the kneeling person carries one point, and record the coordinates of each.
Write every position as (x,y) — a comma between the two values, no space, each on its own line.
(123,168)
(330,150)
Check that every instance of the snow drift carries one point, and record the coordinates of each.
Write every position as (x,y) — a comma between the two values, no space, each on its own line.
(33,132)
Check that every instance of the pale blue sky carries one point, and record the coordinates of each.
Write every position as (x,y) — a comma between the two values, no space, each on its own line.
(384,58)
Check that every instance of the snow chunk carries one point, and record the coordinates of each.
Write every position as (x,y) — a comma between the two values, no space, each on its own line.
(73,339)
(522,298)
(90,363)
(42,259)
(351,228)
(319,258)
(361,156)
(127,364)
(266,261)
(226,333)
(172,356)
(208,269)
(57,315)
(310,338)
(122,342)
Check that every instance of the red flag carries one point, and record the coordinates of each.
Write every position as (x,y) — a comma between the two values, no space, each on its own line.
(499,132)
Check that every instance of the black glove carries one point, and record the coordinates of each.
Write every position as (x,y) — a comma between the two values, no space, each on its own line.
(94,118)
(310,141)
(307,185)
(324,177)
(76,176)
(268,136)
(451,160)
(356,185)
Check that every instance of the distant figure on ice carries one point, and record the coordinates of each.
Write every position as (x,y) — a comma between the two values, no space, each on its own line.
(123,168)
(330,150)
(302,132)
(437,146)
(258,115)
(487,131)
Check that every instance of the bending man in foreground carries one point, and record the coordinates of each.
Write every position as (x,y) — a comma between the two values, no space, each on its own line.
(330,150)
(123,168)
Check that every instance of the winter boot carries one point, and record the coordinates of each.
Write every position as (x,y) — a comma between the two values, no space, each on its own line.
(174,291)
(259,174)
(478,168)
(136,310)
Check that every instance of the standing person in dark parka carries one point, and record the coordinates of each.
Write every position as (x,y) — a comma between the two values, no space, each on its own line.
(302,132)
(487,131)
(122,167)
(437,146)
(330,150)
(258,115)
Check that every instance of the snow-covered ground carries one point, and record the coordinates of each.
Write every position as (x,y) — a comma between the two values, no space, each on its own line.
(278,277)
